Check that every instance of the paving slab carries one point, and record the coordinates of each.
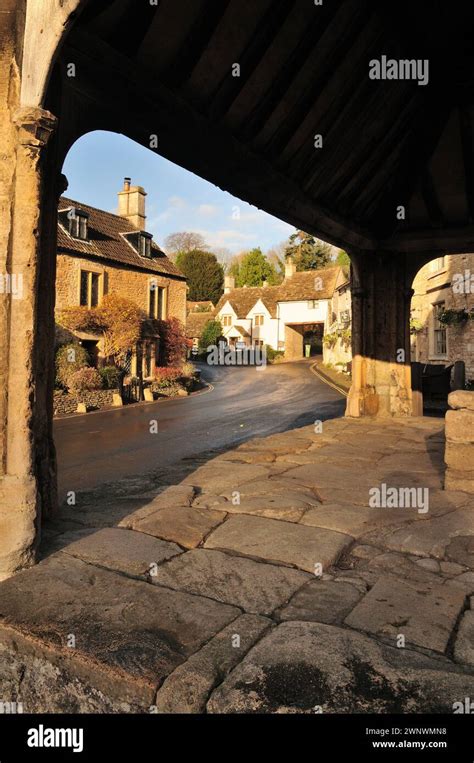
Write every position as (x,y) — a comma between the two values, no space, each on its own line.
(464,644)
(253,586)
(431,538)
(128,635)
(277,541)
(425,613)
(275,487)
(273,505)
(174,495)
(217,476)
(355,520)
(185,525)
(321,601)
(304,667)
(187,689)
(122,550)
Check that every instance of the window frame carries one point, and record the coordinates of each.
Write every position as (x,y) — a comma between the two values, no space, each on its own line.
(89,286)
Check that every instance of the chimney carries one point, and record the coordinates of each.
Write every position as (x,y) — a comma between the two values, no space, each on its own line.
(131,203)
(290,268)
(229,284)
(264,283)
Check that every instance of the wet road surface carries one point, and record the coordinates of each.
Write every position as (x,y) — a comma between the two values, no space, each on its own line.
(106,446)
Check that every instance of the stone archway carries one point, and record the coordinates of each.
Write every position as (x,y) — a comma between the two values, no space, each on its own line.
(258,145)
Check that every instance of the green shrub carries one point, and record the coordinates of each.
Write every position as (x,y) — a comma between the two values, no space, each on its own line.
(85,380)
(273,354)
(69,359)
(211,333)
(110,376)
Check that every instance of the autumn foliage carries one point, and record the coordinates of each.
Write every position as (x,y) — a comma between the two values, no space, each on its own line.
(118,319)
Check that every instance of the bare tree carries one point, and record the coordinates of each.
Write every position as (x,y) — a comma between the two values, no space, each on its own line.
(183,241)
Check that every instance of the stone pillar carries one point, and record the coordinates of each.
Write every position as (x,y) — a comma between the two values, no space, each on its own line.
(381,377)
(459,453)
(27,483)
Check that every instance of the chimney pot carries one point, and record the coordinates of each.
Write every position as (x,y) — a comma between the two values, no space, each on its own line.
(131,204)
(229,284)
(290,268)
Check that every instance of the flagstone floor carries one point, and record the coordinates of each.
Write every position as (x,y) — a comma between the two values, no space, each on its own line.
(274,578)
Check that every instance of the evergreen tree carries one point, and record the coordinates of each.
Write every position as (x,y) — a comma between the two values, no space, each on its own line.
(308,252)
(254,269)
(204,274)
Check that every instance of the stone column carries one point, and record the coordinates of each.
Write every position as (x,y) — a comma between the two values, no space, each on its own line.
(459,453)
(26,345)
(381,377)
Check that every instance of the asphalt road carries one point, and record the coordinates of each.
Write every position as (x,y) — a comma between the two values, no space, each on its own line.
(106,446)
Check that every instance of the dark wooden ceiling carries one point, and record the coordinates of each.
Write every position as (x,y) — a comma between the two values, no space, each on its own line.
(167,70)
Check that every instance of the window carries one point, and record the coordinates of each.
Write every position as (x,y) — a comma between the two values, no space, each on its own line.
(89,289)
(227,320)
(77,224)
(156,301)
(313,304)
(144,245)
(439,330)
(259,320)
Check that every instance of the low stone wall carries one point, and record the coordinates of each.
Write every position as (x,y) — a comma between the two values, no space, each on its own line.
(65,403)
(459,453)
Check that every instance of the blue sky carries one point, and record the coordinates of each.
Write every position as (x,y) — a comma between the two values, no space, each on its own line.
(177,200)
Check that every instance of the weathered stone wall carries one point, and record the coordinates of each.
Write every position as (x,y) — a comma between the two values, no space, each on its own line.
(293,343)
(129,283)
(65,403)
(459,453)
(434,284)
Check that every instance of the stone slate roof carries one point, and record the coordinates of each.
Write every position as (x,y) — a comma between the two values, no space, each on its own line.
(300,286)
(105,242)
(192,306)
(195,323)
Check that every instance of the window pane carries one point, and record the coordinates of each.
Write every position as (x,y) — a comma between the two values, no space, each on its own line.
(94,289)
(84,288)
(82,227)
(161,303)
(152,301)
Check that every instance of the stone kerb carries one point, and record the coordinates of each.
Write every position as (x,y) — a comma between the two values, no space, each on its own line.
(459,453)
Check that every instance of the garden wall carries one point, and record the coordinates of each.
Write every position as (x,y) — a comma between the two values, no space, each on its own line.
(65,403)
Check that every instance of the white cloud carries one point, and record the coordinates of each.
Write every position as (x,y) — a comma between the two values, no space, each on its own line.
(207,210)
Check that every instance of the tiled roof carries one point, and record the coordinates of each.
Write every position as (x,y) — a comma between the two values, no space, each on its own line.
(195,323)
(105,242)
(192,306)
(307,284)
(245,297)
(310,284)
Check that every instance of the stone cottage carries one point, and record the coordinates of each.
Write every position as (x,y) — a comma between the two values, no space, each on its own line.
(444,288)
(103,253)
(286,317)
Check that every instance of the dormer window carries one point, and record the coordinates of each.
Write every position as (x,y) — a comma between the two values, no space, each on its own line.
(145,245)
(76,223)
(141,242)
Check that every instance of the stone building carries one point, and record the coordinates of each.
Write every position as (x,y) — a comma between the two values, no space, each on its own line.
(444,285)
(103,253)
(284,317)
